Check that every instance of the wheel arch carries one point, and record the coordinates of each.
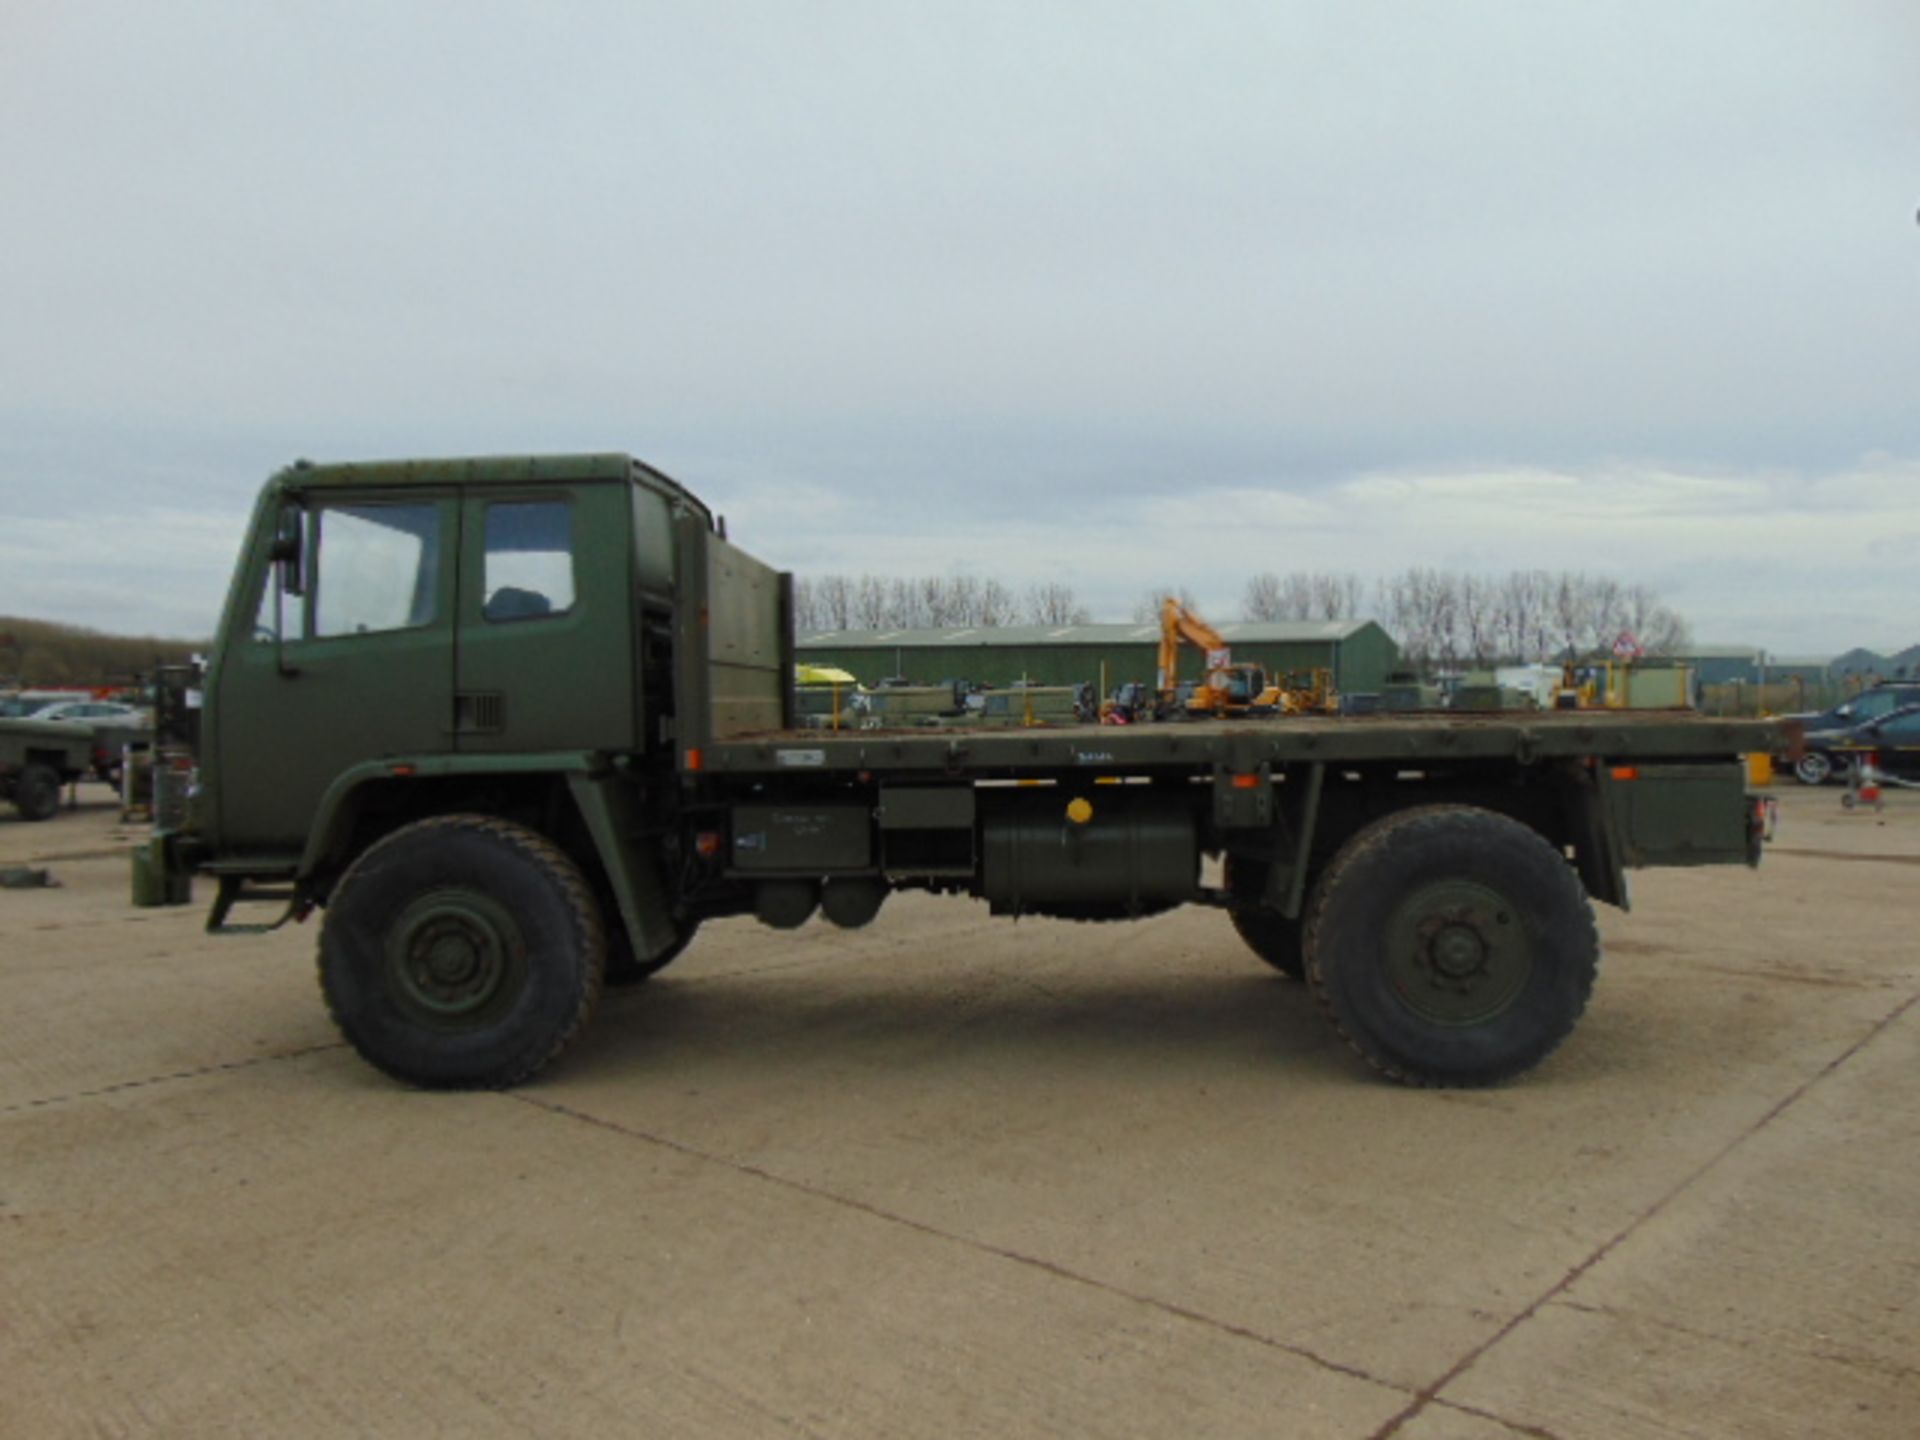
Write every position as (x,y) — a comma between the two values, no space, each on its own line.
(1566,805)
(575,800)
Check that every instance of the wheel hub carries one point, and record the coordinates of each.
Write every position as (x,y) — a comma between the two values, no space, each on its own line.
(1457,952)
(453,956)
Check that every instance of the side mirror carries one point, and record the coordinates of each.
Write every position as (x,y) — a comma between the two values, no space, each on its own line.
(288,552)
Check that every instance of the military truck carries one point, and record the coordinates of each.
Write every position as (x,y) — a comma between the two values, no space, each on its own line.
(37,759)
(519,727)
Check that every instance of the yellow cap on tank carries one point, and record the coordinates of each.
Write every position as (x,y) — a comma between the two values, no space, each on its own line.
(1079,810)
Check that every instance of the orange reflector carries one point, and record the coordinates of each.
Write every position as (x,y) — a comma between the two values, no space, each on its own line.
(707,844)
(1626,772)
(405,772)
(1246,782)
(694,760)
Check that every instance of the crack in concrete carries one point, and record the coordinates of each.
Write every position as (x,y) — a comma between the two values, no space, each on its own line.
(1429,1394)
(119,1087)
(1034,1262)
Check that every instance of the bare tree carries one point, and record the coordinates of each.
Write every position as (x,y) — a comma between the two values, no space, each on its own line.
(805,606)
(1052,603)
(996,605)
(1303,595)
(1146,609)
(1660,630)
(836,602)
(1477,610)
(1448,617)
(1333,597)
(871,607)
(1261,599)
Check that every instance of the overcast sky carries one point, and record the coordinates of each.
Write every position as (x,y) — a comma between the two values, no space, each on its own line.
(1114,294)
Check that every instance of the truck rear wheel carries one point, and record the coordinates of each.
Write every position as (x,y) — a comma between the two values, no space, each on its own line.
(1451,946)
(1268,933)
(462,951)
(36,793)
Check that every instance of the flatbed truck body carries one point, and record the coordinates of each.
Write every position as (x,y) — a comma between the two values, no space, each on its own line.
(520,726)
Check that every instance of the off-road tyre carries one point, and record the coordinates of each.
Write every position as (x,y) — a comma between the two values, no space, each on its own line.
(36,792)
(1813,768)
(624,970)
(1268,933)
(462,951)
(1451,946)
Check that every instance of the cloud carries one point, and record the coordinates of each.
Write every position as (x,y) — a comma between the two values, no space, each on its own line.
(152,571)
(1119,297)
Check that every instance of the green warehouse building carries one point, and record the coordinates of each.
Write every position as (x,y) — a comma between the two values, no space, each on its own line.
(1359,652)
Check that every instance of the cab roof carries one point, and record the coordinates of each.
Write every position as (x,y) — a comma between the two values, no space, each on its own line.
(479,470)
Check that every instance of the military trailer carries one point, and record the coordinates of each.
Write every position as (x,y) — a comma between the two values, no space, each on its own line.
(38,758)
(519,727)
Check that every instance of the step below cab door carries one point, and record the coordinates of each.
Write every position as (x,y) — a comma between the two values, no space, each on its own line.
(545,645)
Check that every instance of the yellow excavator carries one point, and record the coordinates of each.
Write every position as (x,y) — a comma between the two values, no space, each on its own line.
(1229,688)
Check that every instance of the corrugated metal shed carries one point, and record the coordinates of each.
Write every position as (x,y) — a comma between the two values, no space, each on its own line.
(1359,652)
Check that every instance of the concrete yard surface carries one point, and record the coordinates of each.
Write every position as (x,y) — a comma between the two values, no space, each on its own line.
(950,1175)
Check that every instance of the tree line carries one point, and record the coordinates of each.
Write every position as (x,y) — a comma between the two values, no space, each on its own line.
(1456,617)
(43,653)
(928,602)
(1439,617)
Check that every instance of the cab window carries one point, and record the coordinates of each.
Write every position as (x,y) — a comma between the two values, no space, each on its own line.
(529,560)
(377,568)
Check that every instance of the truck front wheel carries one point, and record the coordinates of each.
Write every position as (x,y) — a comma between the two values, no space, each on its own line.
(1451,946)
(462,951)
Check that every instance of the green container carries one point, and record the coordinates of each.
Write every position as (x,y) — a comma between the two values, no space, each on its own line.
(146,887)
(156,879)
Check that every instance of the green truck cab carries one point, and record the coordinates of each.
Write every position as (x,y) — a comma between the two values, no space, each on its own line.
(518,726)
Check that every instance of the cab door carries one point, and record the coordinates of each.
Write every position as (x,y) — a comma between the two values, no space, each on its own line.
(354,663)
(545,620)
